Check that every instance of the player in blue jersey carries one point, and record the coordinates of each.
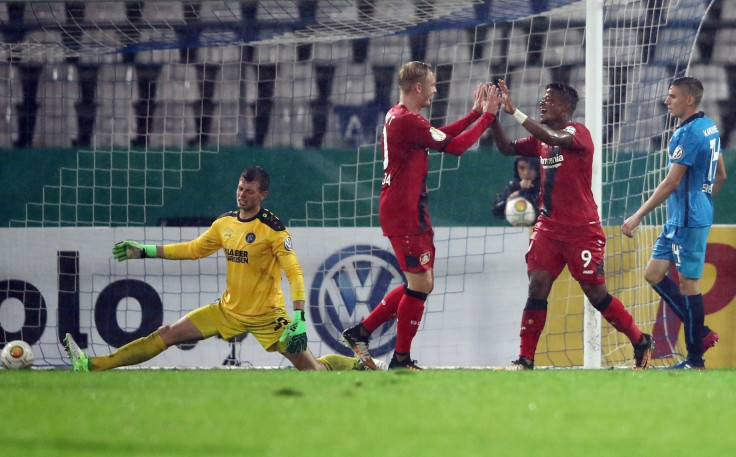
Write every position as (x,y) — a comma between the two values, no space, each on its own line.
(695,174)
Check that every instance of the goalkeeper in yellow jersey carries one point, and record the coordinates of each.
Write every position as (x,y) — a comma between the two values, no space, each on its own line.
(257,247)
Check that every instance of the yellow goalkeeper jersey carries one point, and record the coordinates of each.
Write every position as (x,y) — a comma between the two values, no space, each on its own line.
(257,250)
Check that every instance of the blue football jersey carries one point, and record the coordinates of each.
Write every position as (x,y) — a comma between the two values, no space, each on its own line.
(697,145)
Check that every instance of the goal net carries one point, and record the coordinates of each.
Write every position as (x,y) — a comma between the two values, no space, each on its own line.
(154,99)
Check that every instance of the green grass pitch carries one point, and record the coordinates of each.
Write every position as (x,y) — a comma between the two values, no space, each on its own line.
(454,413)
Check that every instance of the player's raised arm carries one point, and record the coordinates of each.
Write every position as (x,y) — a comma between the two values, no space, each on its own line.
(548,130)
(492,100)
(504,144)
(506,102)
(479,97)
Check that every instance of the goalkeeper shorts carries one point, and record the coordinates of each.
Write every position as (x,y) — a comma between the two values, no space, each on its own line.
(214,319)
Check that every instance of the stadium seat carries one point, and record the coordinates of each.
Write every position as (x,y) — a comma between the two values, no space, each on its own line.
(448,46)
(714,81)
(724,45)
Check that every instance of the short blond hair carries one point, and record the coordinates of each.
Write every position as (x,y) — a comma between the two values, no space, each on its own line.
(412,73)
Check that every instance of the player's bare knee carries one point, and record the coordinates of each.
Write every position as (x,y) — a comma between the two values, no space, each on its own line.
(653,277)
(166,335)
(539,286)
(597,295)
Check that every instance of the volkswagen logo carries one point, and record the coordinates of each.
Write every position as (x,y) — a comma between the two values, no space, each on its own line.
(346,288)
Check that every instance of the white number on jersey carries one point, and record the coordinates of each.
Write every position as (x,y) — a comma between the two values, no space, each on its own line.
(715,152)
(676,253)
(386,176)
(587,257)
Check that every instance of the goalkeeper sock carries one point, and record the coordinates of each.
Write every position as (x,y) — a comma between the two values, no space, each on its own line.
(135,352)
(386,310)
(533,319)
(336,362)
(409,314)
(670,293)
(614,312)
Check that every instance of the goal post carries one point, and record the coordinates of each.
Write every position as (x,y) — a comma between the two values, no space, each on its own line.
(594,122)
(145,104)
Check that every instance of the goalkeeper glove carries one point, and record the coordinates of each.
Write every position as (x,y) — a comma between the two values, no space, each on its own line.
(295,334)
(131,250)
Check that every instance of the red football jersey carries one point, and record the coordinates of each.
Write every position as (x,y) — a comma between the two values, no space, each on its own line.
(566,197)
(407,138)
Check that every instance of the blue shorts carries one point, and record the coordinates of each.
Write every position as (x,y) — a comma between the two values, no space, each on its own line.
(685,247)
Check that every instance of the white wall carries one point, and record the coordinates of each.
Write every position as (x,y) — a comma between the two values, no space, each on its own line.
(471,319)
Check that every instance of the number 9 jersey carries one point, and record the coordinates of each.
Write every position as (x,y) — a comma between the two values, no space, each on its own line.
(566,197)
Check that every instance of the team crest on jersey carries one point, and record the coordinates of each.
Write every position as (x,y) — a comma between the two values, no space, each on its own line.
(677,153)
(570,129)
(287,244)
(424,258)
(251,237)
(437,135)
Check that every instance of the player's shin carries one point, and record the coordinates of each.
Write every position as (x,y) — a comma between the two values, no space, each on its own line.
(670,293)
(135,352)
(693,323)
(386,310)
(614,312)
(336,362)
(533,319)
(409,315)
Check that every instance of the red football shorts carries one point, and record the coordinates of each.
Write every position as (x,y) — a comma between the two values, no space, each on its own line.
(583,254)
(415,253)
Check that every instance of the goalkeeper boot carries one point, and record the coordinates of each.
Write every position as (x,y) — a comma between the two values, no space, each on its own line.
(380,365)
(80,360)
(357,338)
(405,363)
(523,363)
(643,352)
(710,339)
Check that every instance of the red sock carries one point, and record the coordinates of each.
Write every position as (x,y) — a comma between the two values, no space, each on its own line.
(411,309)
(532,324)
(386,310)
(621,320)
